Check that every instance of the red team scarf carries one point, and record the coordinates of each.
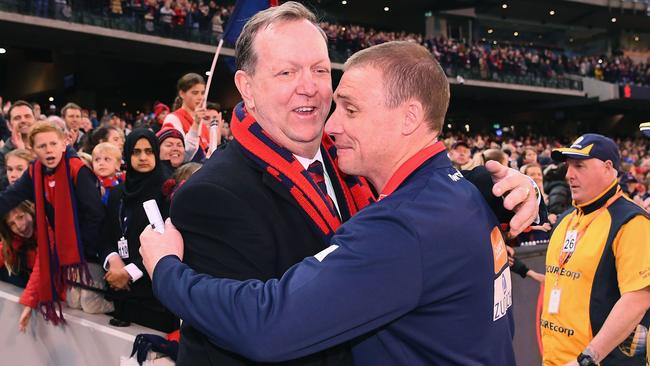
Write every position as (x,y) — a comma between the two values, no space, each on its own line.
(282,165)
(60,252)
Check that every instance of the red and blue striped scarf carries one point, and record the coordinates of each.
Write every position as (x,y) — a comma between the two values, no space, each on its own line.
(59,246)
(283,166)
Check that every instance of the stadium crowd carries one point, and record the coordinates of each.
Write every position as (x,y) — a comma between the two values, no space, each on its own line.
(205,20)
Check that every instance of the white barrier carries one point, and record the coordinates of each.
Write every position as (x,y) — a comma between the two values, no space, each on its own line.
(86,339)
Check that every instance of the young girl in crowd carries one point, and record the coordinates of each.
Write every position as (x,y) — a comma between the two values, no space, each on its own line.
(107,159)
(18,244)
(130,287)
(187,116)
(16,162)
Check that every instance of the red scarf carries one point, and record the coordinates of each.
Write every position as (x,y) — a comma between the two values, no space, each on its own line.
(282,165)
(60,252)
(187,120)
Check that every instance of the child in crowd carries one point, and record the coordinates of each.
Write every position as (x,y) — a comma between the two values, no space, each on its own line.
(107,159)
(16,162)
(18,244)
(68,215)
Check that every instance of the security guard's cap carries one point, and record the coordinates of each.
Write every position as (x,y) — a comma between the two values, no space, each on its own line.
(588,146)
(645,128)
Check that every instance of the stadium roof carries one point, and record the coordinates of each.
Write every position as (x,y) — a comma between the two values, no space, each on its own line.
(632,15)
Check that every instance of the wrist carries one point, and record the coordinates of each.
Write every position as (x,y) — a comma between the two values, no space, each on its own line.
(588,357)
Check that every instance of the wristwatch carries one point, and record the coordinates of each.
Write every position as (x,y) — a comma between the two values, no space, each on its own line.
(585,359)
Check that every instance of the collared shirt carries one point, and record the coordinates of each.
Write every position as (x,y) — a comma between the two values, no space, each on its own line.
(328,182)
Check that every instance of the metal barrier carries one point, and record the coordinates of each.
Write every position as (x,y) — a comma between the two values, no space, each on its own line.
(87,339)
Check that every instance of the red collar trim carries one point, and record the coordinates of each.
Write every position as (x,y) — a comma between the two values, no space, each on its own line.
(406,169)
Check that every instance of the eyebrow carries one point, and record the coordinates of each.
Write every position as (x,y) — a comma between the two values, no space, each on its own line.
(345,97)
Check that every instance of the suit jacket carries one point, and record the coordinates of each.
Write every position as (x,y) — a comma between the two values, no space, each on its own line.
(239,222)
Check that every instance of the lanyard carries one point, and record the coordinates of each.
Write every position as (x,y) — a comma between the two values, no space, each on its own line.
(565,255)
(123,219)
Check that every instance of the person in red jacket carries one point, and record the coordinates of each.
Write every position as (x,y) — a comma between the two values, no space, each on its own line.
(187,116)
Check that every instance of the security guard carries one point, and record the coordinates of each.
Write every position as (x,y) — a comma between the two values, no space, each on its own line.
(597,294)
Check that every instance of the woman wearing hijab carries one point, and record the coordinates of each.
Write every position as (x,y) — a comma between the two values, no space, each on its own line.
(125,220)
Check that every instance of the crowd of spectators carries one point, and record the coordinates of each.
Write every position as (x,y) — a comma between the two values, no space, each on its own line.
(520,151)
(205,20)
(496,61)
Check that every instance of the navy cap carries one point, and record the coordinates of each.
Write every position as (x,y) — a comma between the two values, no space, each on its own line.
(645,128)
(588,146)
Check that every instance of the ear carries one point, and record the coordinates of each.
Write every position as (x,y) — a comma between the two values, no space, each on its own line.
(413,116)
(243,83)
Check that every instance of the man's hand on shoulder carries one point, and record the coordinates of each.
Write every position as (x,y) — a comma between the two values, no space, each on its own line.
(154,246)
(518,193)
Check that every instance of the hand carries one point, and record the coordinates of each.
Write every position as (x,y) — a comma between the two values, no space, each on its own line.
(16,138)
(117,278)
(154,246)
(546,227)
(511,255)
(552,218)
(536,276)
(23,322)
(519,195)
(199,113)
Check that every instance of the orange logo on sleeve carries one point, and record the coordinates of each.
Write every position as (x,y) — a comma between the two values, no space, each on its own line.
(498,250)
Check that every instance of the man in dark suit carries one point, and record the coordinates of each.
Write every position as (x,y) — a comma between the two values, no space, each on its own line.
(274,195)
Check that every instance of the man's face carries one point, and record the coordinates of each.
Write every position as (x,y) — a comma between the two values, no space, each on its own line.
(460,155)
(22,119)
(20,223)
(209,116)
(588,178)
(362,125)
(49,148)
(72,118)
(290,92)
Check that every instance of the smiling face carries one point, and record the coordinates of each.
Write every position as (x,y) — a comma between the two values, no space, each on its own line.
(143,159)
(49,148)
(20,223)
(290,91)
(363,127)
(22,118)
(172,149)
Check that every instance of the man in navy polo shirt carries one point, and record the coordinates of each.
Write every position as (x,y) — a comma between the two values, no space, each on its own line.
(418,278)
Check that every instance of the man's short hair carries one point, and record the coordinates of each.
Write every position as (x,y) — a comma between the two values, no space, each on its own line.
(19,103)
(42,127)
(69,106)
(245,56)
(212,106)
(409,72)
(108,148)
